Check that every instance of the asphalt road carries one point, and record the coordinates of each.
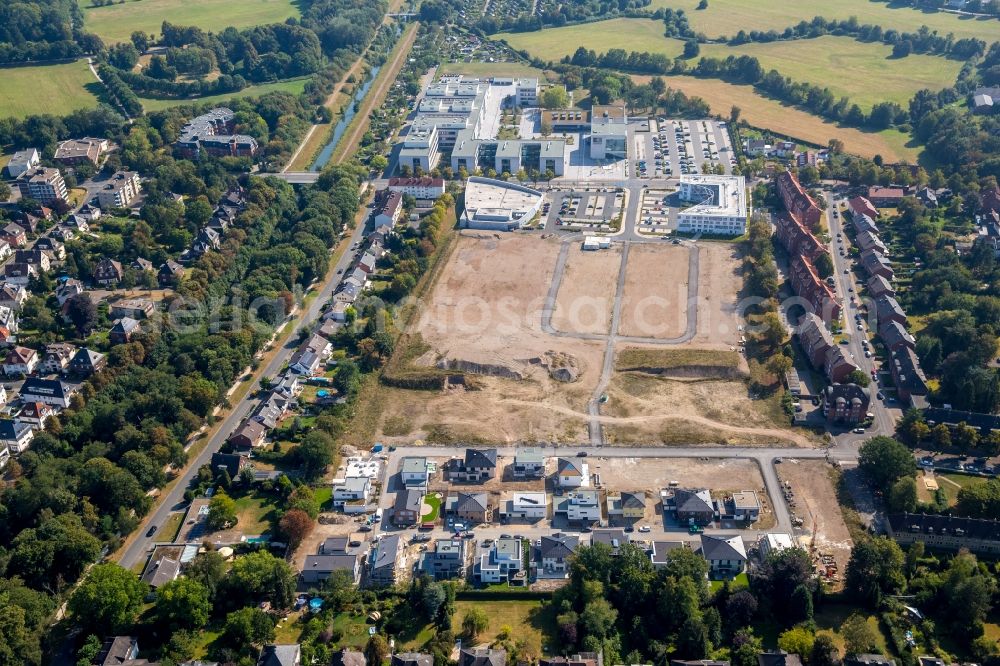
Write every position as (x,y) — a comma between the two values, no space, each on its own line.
(174,499)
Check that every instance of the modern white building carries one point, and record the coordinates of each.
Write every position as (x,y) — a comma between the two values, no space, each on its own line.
(525,506)
(23,161)
(608,133)
(420,149)
(418,188)
(499,205)
(581,506)
(718,205)
(572,473)
(503,559)
(774,543)
(527,92)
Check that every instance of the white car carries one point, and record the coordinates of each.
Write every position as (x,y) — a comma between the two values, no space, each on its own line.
(645,528)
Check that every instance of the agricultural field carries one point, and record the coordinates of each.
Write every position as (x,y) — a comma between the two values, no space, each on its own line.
(57,89)
(621,33)
(293,86)
(864,72)
(115,23)
(767,113)
(728,17)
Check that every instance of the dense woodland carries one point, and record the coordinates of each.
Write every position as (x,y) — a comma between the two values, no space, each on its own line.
(33,30)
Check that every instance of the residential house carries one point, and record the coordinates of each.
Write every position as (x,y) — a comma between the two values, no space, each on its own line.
(504,560)
(946,533)
(887,309)
(698,662)
(407,507)
(15,435)
(446,559)
(89,213)
(35,414)
(233,463)
(612,538)
(528,506)
(659,554)
(868,660)
(470,507)
(6,337)
(86,362)
(20,361)
(886,197)
(67,289)
(556,550)
(52,247)
(743,506)
(693,506)
(348,657)
(864,223)
(862,206)
(627,505)
(22,161)
(845,403)
(207,240)
(248,435)
(529,463)
(797,238)
(928,197)
(797,201)
(13,296)
(352,495)
(120,190)
(80,151)
(142,265)
(124,330)
(838,367)
(4,455)
(866,240)
(879,286)
(9,319)
(411,659)
(815,339)
(579,659)
(774,542)
(57,358)
(726,555)
(367,263)
(44,185)
(572,473)
(778,658)
(580,506)
(478,466)
(50,391)
(136,308)
(894,335)
(388,207)
(161,571)
(419,188)
(384,563)
(33,257)
(5,250)
(280,655)
(117,651)
(413,471)
(108,272)
(274,406)
(18,273)
(170,273)
(758,147)
(310,355)
(482,657)
(14,235)
(319,567)
(907,375)
(808,285)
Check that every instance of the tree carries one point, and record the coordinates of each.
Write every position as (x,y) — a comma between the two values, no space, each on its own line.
(797,640)
(740,609)
(858,377)
(554,97)
(859,636)
(691,49)
(140,40)
(598,618)
(261,574)
(875,569)
(108,600)
(82,312)
(778,365)
(734,114)
(315,453)
(824,265)
(376,650)
(18,645)
(432,599)
(824,652)
(5,192)
(209,569)
(903,495)
(884,460)
(475,622)
(379,163)
(221,512)
(247,627)
(183,604)
(745,648)
(296,526)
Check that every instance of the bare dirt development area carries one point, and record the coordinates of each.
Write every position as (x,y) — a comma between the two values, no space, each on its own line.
(655,300)
(720,281)
(661,410)
(814,499)
(587,290)
(721,475)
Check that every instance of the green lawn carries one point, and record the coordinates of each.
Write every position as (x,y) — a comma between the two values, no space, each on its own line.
(114,23)
(294,86)
(864,72)
(434,502)
(254,514)
(530,621)
(56,89)
(830,617)
(323,496)
(169,529)
(621,33)
(728,17)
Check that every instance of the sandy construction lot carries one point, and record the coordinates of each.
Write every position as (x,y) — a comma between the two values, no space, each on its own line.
(655,301)
(815,502)
(719,285)
(587,290)
(656,473)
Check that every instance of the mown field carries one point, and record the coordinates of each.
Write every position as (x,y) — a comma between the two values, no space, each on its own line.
(56,89)
(294,86)
(114,23)
(864,72)
(767,113)
(620,33)
(728,17)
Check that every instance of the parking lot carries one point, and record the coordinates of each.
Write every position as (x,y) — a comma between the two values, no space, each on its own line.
(587,210)
(673,148)
(658,214)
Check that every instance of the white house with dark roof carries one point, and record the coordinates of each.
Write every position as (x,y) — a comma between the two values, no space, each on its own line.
(726,555)
(479,465)
(555,551)
(572,473)
(15,435)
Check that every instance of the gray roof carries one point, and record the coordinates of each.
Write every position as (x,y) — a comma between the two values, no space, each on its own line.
(349,658)
(414,465)
(723,547)
(161,572)
(388,549)
(614,538)
(559,545)
(471,502)
(482,657)
(686,499)
(480,457)
(330,563)
(408,500)
(280,655)
(412,659)
(529,456)
(778,658)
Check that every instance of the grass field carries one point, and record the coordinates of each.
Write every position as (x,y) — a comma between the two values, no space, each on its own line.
(254,514)
(56,89)
(529,621)
(294,86)
(727,17)
(115,23)
(490,69)
(863,72)
(767,113)
(620,33)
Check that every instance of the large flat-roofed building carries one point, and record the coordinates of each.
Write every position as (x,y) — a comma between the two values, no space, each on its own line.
(566,120)
(420,149)
(508,155)
(44,185)
(498,205)
(608,140)
(80,151)
(719,205)
(212,132)
(418,188)
(120,190)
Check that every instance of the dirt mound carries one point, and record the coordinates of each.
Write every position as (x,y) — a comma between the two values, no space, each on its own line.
(562,367)
(477,368)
